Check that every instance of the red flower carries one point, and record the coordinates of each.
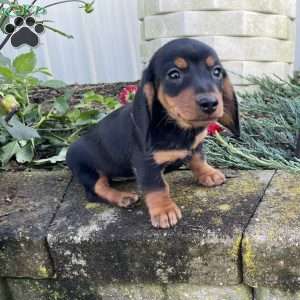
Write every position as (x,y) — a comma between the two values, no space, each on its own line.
(127,93)
(131,89)
(214,128)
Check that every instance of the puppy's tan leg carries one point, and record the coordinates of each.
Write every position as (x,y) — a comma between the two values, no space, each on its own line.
(205,174)
(113,196)
(163,211)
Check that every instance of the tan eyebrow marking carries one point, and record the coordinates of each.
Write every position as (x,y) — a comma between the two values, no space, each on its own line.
(210,61)
(181,63)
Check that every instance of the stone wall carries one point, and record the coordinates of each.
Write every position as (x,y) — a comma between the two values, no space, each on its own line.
(236,241)
(252,37)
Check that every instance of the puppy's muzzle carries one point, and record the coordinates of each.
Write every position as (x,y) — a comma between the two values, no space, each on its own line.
(208,104)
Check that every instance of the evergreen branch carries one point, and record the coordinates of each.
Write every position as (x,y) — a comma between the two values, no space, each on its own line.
(270,126)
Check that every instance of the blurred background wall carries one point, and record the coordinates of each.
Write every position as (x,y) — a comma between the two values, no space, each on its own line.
(297,61)
(105,47)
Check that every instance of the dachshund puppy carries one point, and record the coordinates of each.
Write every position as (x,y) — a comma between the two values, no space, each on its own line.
(182,91)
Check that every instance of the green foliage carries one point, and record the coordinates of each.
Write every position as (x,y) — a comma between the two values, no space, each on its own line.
(88,7)
(270,121)
(25,63)
(41,133)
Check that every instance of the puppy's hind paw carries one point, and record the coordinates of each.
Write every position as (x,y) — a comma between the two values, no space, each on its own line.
(127,199)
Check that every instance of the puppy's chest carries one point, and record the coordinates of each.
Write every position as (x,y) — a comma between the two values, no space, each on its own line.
(175,149)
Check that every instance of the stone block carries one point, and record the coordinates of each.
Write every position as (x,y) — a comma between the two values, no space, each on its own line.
(142,30)
(235,48)
(293,33)
(190,292)
(69,290)
(132,292)
(3,290)
(271,246)
(230,23)
(28,204)
(108,244)
(21,289)
(141,9)
(274,294)
(239,71)
(290,7)
(281,7)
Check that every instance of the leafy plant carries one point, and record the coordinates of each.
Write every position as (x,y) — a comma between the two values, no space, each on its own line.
(40,133)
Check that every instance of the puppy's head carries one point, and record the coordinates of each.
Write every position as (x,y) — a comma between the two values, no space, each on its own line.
(187,78)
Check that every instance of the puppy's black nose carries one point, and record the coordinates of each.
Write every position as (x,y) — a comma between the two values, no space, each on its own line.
(208,104)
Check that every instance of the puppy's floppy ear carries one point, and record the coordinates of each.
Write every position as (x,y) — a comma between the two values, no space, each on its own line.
(142,108)
(230,118)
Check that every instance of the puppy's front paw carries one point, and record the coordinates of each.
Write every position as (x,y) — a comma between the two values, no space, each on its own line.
(126,200)
(163,211)
(211,177)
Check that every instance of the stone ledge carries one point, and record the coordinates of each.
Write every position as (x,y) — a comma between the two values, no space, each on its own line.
(69,290)
(154,7)
(231,23)
(100,252)
(28,201)
(235,48)
(114,245)
(271,247)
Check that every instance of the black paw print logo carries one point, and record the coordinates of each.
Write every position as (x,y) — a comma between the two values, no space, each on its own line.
(24,31)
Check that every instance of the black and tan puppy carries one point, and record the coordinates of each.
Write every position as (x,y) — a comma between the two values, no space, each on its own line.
(183,90)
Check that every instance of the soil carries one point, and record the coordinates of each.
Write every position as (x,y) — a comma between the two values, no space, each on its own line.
(42,94)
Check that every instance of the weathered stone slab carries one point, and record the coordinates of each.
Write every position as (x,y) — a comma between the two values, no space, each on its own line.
(190,292)
(230,23)
(28,202)
(274,294)
(3,291)
(21,289)
(70,290)
(79,290)
(236,48)
(239,71)
(174,292)
(132,292)
(107,244)
(271,247)
(281,7)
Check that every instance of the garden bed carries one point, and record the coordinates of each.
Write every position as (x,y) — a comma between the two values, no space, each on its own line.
(40,119)
(41,94)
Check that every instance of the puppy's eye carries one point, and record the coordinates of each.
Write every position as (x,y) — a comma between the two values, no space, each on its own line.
(174,74)
(217,72)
